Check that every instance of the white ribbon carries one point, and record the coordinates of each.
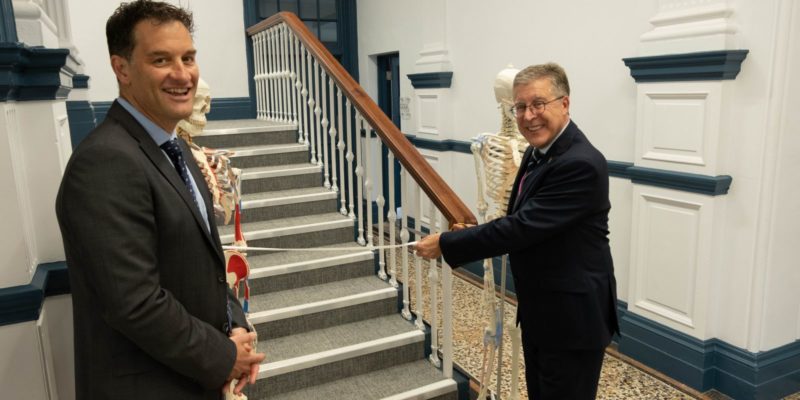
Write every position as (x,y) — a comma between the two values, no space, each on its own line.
(359,248)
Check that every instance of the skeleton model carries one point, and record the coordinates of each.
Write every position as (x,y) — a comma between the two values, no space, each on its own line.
(497,159)
(221,178)
(223,181)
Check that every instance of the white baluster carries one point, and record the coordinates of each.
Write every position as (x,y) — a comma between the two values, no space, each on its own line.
(433,286)
(350,156)
(287,114)
(312,122)
(391,216)
(360,176)
(420,322)
(324,130)
(332,132)
(447,310)
(276,74)
(298,87)
(367,199)
(304,93)
(317,113)
(269,72)
(404,236)
(380,201)
(341,146)
(293,90)
(257,77)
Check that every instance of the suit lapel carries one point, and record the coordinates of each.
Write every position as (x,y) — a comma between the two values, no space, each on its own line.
(514,191)
(167,170)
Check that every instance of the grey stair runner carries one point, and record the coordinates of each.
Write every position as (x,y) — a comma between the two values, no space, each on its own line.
(329,326)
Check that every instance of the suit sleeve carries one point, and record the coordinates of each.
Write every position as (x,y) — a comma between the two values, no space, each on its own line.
(106,211)
(569,192)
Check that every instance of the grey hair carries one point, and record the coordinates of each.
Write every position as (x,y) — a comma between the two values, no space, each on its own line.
(552,71)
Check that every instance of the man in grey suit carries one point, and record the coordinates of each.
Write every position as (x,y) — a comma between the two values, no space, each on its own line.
(556,235)
(153,315)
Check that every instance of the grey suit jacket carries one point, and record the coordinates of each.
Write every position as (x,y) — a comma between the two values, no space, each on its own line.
(147,278)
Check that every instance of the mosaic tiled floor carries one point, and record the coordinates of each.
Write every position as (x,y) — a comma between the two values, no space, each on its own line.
(619,379)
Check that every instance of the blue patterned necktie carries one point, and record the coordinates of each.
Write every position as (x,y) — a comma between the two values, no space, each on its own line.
(175,154)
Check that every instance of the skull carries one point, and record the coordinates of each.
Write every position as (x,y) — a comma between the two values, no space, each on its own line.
(504,89)
(202,105)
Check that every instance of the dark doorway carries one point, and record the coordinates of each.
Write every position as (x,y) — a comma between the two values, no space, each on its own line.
(389,102)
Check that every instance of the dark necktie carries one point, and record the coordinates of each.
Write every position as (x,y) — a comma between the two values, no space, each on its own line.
(175,154)
(536,159)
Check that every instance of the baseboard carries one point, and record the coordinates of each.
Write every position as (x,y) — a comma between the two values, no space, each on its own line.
(230,108)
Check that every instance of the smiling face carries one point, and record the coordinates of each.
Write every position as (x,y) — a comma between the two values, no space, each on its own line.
(540,127)
(160,78)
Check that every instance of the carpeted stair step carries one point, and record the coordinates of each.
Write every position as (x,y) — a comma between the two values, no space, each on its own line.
(331,354)
(281,177)
(265,155)
(417,380)
(295,232)
(246,132)
(287,203)
(303,309)
(292,269)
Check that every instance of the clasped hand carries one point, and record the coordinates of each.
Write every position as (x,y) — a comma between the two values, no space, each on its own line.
(245,369)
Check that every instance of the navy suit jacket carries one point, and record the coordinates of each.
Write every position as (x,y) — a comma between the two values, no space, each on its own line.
(147,277)
(556,236)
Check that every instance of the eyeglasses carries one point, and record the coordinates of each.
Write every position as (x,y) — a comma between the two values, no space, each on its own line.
(536,107)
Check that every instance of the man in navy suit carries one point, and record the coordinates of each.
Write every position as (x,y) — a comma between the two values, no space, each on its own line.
(556,235)
(152,313)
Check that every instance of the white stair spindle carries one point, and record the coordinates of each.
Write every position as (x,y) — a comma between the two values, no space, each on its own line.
(287,115)
(298,87)
(391,216)
(360,176)
(270,73)
(447,310)
(293,78)
(304,93)
(258,78)
(332,132)
(404,237)
(341,146)
(420,322)
(433,287)
(350,156)
(367,199)
(324,130)
(317,113)
(276,74)
(381,202)
(312,122)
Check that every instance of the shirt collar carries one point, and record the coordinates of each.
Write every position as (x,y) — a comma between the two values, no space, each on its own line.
(159,135)
(545,149)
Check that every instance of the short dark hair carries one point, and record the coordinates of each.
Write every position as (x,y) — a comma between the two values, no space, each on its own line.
(119,27)
(552,71)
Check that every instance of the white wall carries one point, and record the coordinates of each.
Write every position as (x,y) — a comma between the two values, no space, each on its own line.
(219,38)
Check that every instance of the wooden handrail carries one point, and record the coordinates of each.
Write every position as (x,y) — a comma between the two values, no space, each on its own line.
(434,186)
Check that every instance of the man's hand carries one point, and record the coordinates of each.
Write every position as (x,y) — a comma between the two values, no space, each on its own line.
(459,226)
(245,369)
(428,247)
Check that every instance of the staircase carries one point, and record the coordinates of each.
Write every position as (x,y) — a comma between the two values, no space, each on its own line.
(330,328)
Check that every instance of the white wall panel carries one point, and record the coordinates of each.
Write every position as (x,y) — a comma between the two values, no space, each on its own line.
(619,226)
(670,257)
(678,126)
(21,370)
